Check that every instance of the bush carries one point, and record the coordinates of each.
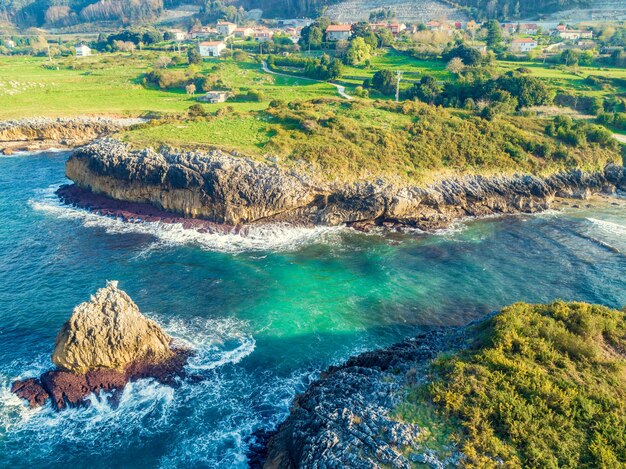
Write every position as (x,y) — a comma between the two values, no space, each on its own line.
(196,110)
(541,386)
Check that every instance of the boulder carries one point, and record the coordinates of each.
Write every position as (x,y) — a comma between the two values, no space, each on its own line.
(106,343)
(108,332)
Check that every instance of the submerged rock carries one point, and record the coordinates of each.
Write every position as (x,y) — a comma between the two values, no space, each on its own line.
(106,343)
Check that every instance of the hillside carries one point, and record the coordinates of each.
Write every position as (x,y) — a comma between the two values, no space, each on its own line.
(63,13)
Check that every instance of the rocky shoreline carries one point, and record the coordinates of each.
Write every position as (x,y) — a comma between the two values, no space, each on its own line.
(105,344)
(345,419)
(36,134)
(233,190)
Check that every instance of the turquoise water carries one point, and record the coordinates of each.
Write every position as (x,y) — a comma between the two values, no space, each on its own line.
(266,312)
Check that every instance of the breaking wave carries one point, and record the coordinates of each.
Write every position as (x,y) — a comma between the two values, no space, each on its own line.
(275,237)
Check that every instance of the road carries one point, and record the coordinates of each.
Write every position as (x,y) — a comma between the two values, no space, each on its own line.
(340,88)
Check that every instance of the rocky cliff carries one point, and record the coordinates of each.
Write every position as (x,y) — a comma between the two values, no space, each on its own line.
(106,343)
(235,190)
(40,133)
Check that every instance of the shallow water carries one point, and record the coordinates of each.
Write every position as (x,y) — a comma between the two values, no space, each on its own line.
(266,312)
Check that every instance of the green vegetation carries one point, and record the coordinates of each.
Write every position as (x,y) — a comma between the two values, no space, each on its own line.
(112,85)
(539,386)
(410,141)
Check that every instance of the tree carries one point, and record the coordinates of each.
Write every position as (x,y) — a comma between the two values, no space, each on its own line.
(163,62)
(494,35)
(385,37)
(364,30)
(358,52)
(468,55)
(384,81)
(455,66)
(190,89)
(193,56)
(528,90)
(428,89)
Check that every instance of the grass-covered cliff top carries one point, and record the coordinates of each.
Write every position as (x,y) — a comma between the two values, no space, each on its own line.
(410,141)
(541,386)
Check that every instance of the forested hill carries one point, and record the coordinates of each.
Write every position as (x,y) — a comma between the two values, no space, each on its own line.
(516,9)
(59,13)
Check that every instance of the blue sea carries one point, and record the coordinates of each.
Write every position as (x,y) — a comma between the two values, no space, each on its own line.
(265,312)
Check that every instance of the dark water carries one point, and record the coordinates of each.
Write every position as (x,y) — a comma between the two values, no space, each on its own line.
(266,312)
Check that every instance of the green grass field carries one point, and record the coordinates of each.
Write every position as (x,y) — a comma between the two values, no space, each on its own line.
(110,85)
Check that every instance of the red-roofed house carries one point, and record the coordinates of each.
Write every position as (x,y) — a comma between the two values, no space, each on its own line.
(523,45)
(338,32)
(211,48)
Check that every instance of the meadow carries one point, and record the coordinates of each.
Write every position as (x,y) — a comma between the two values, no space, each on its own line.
(110,85)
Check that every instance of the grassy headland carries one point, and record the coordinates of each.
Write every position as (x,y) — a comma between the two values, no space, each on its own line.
(540,386)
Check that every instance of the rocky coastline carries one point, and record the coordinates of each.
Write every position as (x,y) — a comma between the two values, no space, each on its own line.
(35,134)
(105,344)
(345,419)
(233,191)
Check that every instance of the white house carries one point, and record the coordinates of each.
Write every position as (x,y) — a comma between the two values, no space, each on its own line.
(82,50)
(338,32)
(575,34)
(523,45)
(263,35)
(225,28)
(214,97)
(242,33)
(211,48)
(178,35)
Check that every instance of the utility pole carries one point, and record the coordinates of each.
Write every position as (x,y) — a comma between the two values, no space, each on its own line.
(398,78)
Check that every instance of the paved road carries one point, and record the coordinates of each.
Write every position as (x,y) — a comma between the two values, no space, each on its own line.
(340,88)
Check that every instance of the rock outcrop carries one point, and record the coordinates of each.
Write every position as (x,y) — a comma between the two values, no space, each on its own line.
(105,344)
(345,419)
(108,332)
(41,133)
(234,190)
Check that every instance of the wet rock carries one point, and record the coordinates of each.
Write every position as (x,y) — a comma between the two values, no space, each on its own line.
(234,190)
(345,419)
(105,344)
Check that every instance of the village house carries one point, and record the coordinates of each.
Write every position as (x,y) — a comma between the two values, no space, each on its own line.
(202,32)
(177,34)
(263,35)
(396,28)
(433,25)
(529,29)
(82,50)
(338,32)
(293,33)
(226,28)
(575,34)
(472,26)
(523,45)
(214,97)
(242,33)
(509,28)
(211,48)
(9,43)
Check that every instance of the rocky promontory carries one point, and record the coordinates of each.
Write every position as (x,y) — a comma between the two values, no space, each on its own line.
(234,190)
(106,343)
(42,133)
(345,419)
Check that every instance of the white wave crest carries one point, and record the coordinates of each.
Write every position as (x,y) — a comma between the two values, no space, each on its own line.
(609,227)
(274,237)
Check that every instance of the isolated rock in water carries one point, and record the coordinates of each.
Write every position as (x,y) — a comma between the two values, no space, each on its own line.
(109,333)
(105,344)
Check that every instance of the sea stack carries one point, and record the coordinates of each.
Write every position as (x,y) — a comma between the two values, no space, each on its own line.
(106,343)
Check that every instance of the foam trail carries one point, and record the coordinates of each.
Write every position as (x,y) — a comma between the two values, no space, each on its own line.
(609,227)
(275,237)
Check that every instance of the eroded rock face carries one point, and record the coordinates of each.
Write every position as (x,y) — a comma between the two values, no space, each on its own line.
(108,332)
(106,343)
(234,190)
